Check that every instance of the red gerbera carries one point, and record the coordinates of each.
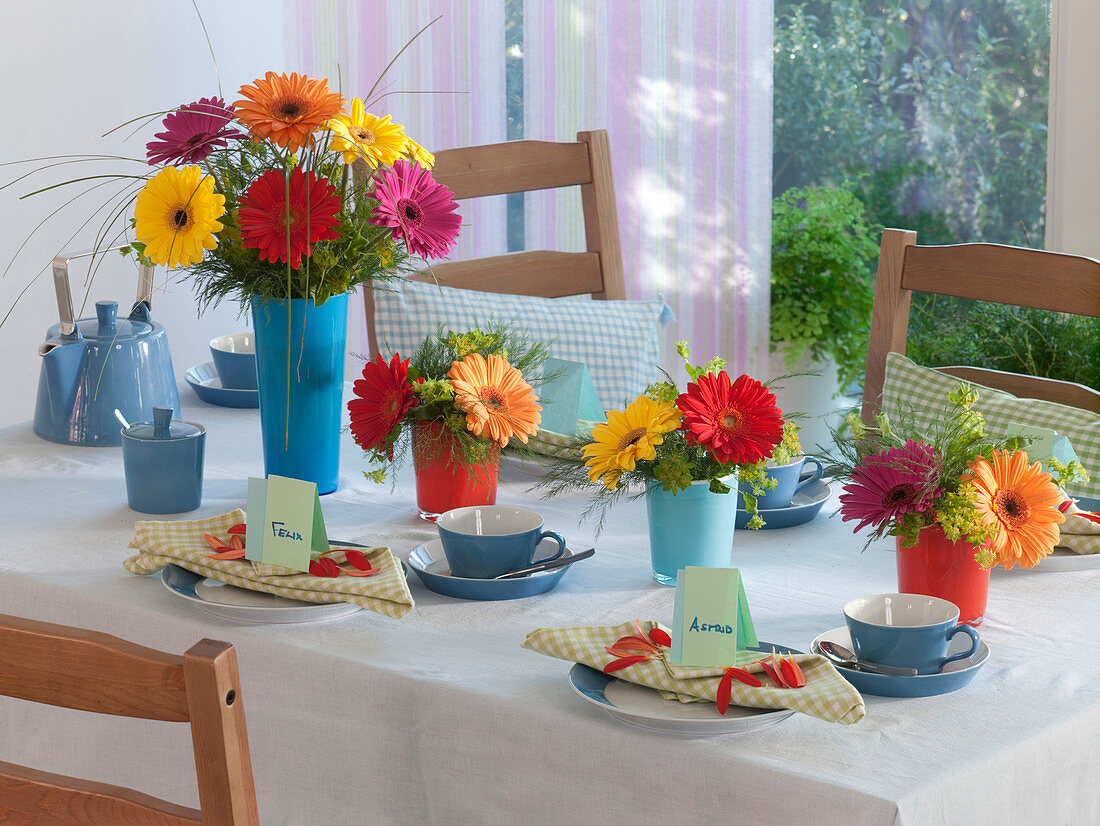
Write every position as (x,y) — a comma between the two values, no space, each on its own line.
(384,397)
(192,132)
(418,209)
(267,216)
(736,422)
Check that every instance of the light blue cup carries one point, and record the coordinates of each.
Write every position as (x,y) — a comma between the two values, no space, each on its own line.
(691,528)
(235,360)
(485,541)
(906,630)
(787,484)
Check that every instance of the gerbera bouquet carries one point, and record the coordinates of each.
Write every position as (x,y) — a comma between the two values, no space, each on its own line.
(471,385)
(985,491)
(717,428)
(259,197)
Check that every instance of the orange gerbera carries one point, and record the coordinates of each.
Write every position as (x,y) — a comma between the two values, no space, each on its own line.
(287,108)
(494,397)
(1021,503)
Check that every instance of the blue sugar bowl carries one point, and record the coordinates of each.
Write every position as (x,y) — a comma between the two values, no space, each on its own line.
(163,461)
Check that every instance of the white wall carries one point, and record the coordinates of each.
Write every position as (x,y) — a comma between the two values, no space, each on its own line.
(74,70)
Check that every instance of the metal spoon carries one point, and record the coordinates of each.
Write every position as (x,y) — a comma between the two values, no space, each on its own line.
(548,566)
(842,656)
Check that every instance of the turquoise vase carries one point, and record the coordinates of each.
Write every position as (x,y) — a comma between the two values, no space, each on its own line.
(301,365)
(691,528)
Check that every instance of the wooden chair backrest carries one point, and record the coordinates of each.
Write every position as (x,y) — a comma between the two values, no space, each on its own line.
(988,272)
(525,166)
(88,670)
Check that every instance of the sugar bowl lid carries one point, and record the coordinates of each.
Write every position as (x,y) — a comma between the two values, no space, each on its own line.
(163,428)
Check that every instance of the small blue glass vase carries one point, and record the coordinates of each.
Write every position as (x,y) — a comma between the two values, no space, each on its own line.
(691,528)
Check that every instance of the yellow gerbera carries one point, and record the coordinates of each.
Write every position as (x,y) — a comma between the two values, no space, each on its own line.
(495,398)
(362,134)
(627,436)
(1021,503)
(176,216)
(418,153)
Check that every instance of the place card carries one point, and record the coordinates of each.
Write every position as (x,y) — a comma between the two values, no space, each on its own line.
(285,523)
(568,397)
(1045,444)
(711,620)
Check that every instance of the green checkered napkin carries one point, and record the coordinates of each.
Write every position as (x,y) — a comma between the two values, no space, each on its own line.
(558,445)
(921,393)
(1079,535)
(182,543)
(826,694)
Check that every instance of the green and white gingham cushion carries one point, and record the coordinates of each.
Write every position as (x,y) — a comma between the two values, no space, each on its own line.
(826,694)
(922,393)
(618,340)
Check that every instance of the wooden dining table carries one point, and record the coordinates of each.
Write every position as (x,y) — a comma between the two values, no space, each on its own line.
(442,716)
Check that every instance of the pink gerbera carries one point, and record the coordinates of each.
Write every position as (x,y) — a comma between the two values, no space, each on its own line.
(267,216)
(418,209)
(192,132)
(892,483)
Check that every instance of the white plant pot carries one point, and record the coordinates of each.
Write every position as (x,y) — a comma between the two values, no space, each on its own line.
(818,396)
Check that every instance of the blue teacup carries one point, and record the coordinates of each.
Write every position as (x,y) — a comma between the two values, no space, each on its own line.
(485,541)
(906,630)
(787,478)
(235,360)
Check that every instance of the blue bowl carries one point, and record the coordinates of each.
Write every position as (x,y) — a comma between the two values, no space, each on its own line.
(235,360)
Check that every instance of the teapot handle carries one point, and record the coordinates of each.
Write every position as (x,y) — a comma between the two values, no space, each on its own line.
(65,296)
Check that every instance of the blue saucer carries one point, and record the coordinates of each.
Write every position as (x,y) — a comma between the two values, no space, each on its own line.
(204,380)
(430,564)
(953,677)
(804,506)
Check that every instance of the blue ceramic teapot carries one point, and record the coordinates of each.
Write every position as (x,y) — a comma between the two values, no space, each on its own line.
(90,366)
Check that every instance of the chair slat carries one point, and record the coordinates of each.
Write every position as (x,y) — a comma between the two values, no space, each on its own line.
(545,273)
(601,216)
(1008,275)
(32,796)
(516,166)
(89,670)
(1030,387)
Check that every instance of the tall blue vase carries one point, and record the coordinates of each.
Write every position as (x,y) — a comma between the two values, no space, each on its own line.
(304,369)
(691,528)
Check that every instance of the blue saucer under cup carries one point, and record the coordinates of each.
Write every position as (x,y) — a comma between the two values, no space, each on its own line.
(906,630)
(485,541)
(789,480)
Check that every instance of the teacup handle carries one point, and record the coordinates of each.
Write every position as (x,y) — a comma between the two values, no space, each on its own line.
(557,537)
(974,640)
(813,477)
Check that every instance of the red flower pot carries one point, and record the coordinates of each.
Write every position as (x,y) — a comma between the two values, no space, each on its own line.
(938,567)
(443,481)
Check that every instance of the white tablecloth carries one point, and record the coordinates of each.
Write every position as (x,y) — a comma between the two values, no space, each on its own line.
(441,717)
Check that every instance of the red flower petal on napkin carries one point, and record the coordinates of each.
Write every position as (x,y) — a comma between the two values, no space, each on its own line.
(324,567)
(239,529)
(661,637)
(745,677)
(624,662)
(232,553)
(773,673)
(792,673)
(358,559)
(724,687)
(1092,517)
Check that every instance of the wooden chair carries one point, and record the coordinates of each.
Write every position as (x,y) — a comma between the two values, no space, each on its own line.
(92,671)
(989,272)
(524,166)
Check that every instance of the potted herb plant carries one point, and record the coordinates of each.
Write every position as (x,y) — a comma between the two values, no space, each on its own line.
(821,298)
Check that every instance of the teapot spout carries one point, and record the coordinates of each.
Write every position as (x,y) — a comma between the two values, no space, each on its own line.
(60,374)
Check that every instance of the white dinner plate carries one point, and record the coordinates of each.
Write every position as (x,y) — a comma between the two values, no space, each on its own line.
(646,708)
(242,605)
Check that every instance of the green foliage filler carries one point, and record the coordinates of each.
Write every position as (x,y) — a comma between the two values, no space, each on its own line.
(821,285)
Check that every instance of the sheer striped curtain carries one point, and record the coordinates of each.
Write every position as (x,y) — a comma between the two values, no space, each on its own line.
(684,89)
(447,89)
